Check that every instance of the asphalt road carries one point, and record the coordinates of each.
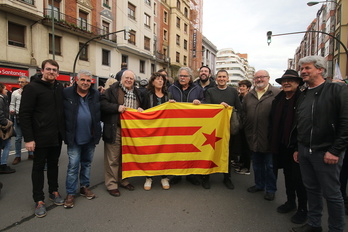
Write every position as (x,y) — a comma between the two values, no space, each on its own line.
(183,208)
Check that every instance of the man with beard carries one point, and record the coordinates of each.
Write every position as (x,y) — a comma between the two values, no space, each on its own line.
(257,108)
(205,80)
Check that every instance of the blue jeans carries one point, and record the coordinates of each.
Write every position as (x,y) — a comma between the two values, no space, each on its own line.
(18,140)
(6,144)
(322,180)
(79,155)
(263,171)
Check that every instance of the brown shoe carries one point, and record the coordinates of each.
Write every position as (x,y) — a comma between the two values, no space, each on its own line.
(129,187)
(30,157)
(69,201)
(87,193)
(16,160)
(114,192)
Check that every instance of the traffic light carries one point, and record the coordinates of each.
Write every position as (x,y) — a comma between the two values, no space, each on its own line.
(269,37)
(126,33)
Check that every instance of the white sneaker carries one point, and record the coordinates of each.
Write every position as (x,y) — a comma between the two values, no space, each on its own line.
(147,185)
(165,183)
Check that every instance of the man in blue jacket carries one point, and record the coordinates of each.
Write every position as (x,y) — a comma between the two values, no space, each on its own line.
(83,132)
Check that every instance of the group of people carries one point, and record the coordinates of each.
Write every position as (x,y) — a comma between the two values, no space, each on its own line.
(302,132)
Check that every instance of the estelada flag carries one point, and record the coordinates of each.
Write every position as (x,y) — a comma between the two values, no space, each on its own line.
(175,139)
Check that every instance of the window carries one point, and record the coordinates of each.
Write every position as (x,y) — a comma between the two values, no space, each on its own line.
(154,28)
(164,51)
(106,27)
(148,2)
(105,57)
(146,43)
(31,2)
(84,52)
(185,28)
(154,8)
(131,11)
(83,17)
(57,44)
(178,4)
(177,57)
(165,16)
(142,66)
(177,22)
(124,59)
(132,35)
(56,10)
(185,44)
(16,34)
(186,12)
(147,20)
(165,34)
(177,39)
(185,60)
(106,3)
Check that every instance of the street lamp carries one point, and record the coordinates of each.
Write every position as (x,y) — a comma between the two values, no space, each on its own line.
(126,36)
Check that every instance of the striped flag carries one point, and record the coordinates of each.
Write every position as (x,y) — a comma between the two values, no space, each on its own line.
(175,139)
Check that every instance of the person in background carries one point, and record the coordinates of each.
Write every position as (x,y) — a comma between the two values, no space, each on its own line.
(115,100)
(6,131)
(282,145)
(156,95)
(14,111)
(124,67)
(243,168)
(42,124)
(83,132)
(322,138)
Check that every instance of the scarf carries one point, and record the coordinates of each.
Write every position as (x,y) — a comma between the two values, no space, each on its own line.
(129,97)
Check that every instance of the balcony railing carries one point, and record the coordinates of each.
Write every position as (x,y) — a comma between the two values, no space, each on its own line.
(30,2)
(78,25)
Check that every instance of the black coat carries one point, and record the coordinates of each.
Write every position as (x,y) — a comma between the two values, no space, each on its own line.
(41,113)
(71,106)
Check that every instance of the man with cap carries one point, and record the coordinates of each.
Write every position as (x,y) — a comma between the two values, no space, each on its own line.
(282,147)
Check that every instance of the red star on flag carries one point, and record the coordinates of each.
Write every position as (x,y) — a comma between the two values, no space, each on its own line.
(211,139)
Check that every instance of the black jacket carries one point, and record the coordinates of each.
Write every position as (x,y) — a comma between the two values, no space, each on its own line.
(112,98)
(195,92)
(41,113)
(71,106)
(329,119)
(4,110)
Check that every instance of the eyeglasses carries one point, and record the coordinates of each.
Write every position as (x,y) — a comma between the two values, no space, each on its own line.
(51,69)
(21,82)
(88,80)
(129,78)
(261,77)
(184,76)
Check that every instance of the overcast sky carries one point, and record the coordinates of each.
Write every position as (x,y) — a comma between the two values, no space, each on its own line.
(242,25)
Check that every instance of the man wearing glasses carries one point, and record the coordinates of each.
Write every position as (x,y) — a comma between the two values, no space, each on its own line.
(42,123)
(14,110)
(83,132)
(257,107)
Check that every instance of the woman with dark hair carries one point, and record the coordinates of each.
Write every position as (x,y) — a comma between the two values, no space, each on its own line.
(156,95)
(6,127)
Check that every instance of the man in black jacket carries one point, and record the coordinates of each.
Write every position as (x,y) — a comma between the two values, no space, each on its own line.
(42,120)
(322,137)
(83,132)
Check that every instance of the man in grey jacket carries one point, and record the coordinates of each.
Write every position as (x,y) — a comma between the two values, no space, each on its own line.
(257,108)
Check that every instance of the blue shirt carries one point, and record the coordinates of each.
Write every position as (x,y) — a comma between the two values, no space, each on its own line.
(83,123)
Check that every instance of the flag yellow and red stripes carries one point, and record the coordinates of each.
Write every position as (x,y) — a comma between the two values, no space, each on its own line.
(175,139)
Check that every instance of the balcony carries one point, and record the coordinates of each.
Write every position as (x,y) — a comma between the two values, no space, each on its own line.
(28,9)
(79,26)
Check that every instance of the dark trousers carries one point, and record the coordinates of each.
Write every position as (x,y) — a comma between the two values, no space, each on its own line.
(322,180)
(292,176)
(49,155)
(344,175)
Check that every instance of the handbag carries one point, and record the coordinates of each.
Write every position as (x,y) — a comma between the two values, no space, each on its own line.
(235,122)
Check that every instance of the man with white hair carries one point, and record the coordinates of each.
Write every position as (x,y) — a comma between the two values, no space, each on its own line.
(322,138)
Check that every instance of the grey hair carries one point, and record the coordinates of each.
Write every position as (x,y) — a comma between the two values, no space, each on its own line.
(24,77)
(188,70)
(85,72)
(317,61)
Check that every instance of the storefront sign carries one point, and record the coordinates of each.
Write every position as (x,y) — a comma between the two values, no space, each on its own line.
(13,72)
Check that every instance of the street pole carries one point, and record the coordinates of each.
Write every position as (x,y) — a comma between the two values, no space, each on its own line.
(126,31)
(300,32)
(53,37)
